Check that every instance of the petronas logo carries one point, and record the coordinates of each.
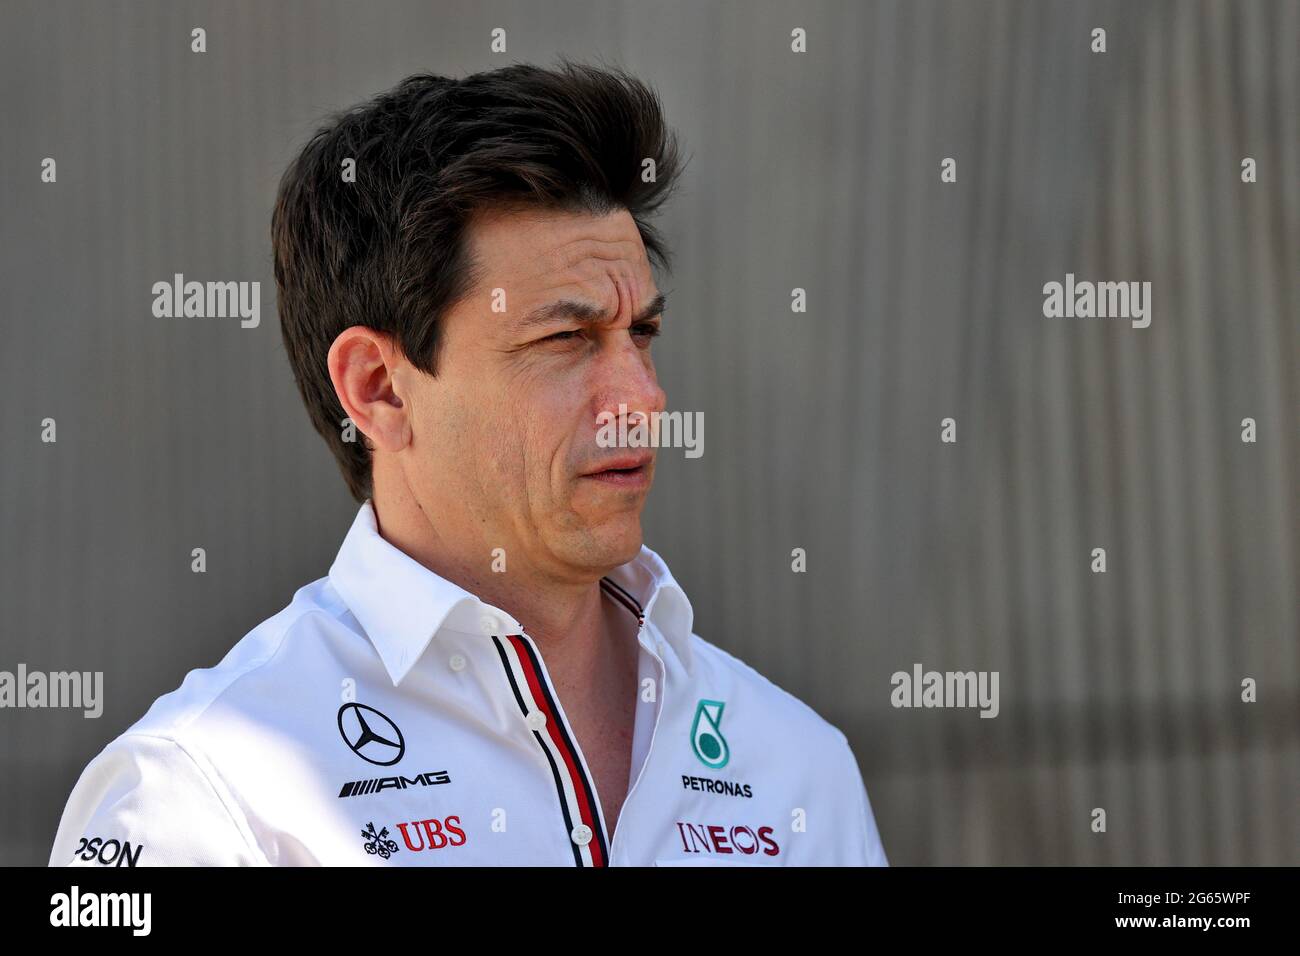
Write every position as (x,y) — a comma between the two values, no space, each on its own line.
(706,735)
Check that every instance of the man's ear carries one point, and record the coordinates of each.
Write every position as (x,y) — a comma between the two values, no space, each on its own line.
(362,363)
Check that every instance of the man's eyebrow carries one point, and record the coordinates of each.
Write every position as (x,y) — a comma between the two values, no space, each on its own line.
(585,312)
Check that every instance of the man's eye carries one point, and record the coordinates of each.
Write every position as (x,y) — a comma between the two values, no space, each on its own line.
(644,331)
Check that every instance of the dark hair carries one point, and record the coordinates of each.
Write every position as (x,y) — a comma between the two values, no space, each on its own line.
(389,251)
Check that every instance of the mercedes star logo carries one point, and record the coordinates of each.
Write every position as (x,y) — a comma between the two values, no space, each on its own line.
(370,735)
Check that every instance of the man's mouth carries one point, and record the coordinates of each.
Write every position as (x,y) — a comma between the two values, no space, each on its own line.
(628,471)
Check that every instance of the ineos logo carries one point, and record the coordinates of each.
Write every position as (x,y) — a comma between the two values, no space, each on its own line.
(370,735)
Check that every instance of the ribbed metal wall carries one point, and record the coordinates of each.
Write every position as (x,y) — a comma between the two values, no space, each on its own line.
(818,171)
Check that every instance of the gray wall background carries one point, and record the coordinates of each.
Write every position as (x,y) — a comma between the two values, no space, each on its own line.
(822,429)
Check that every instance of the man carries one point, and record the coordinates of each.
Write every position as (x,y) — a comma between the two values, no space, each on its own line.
(495,670)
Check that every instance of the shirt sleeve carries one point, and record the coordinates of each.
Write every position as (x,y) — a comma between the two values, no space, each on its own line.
(873,851)
(146,801)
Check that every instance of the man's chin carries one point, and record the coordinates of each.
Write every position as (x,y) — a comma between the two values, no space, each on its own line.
(613,543)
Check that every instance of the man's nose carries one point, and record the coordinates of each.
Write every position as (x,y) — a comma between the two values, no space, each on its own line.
(629,379)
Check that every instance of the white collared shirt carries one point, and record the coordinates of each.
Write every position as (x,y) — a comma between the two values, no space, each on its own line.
(389,717)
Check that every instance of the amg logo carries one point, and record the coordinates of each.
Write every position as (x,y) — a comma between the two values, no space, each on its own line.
(359,788)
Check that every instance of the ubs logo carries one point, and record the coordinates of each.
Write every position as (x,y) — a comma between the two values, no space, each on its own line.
(378,844)
(431,834)
(370,735)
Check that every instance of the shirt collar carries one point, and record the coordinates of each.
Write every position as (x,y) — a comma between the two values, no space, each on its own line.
(402,605)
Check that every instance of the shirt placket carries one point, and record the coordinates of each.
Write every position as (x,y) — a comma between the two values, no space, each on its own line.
(544,717)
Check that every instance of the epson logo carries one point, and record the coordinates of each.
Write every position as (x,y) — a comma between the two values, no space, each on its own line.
(360,788)
(108,852)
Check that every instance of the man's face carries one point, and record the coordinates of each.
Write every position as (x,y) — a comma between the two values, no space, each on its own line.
(504,438)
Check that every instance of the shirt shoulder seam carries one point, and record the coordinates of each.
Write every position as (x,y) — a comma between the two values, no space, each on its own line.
(736,664)
(237,818)
(244,670)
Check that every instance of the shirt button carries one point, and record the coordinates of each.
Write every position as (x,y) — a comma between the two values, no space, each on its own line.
(489,625)
(581,834)
(535,720)
(457,662)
